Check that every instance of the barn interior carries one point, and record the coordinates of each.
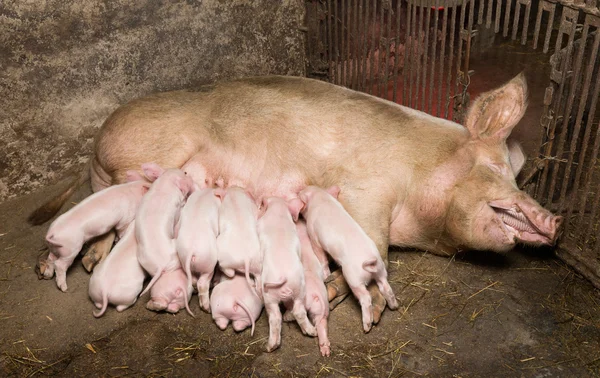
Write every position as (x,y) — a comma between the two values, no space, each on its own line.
(67,65)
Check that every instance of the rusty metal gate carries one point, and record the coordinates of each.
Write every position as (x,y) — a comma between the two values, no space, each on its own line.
(416,53)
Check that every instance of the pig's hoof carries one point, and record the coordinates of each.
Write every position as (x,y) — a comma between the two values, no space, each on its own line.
(43,268)
(337,290)
(378,302)
(272,347)
(98,250)
(288,316)
(325,350)
(62,286)
(156,306)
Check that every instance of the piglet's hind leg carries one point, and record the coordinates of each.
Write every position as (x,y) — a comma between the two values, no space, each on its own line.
(274,326)
(300,315)
(203,286)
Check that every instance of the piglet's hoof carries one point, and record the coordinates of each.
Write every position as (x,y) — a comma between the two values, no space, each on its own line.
(378,302)
(41,266)
(156,305)
(337,289)
(98,250)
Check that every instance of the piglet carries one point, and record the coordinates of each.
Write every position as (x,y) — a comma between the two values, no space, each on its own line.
(197,240)
(113,207)
(118,279)
(232,300)
(333,229)
(171,292)
(155,223)
(237,244)
(282,275)
(315,301)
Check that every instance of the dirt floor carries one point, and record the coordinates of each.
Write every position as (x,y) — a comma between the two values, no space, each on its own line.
(479,314)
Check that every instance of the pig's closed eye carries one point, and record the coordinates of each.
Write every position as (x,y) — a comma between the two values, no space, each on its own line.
(498,168)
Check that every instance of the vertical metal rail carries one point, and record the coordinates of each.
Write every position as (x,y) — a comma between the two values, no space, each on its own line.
(429,109)
(425,54)
(388,6)
(396,46)
(441,66)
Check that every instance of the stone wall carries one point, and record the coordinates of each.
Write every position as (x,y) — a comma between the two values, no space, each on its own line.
(65,65)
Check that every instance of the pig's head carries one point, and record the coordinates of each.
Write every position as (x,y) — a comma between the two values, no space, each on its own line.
(487,210)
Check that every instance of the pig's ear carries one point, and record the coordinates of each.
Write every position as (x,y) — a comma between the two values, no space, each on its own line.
(295,206)
(515,156)
(152,171)
(185,184)
(220,192)
(131,176)
(334,191)
(145,189)
(494,114)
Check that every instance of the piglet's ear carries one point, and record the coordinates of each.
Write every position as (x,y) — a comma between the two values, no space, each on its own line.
(494,114)
(152,171)
(185,184)
(295,206)
(334,191)
(145,189)
(131,176)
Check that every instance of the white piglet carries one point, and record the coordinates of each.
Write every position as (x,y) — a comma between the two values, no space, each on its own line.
(282,274)
(113,207)
(198,229)
(333,229)
(118,279)
(155,223)
(237,244)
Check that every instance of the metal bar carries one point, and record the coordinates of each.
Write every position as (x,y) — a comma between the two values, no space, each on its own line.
(538,24)
(526,22)
(516,20)
(488,16)
(507,17)
(569,22)
(329,42)
(412,43)
(436,13)
(588,129)
(343,39)
(359,41)
(379,49)
(317,53)
(480,14)
(427,13)
(365,55)
(309,47)
(552,8)
(442,58)
(337,76)
(387,50)
(461,35)
(373,44)
(497,21)
(450,61)
(420,54)
(589,179)
(407,48)
(567,116)
(348,77)
(352,37)
(396,46)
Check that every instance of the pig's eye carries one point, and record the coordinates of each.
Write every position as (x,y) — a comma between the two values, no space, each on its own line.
(498,168)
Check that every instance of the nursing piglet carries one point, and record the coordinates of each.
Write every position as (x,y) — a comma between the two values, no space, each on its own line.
(332,228)
(237,244)
(155,223)
(232,300)
(282,274)
(315,301)
(118,279)
(197,240)
(113,207)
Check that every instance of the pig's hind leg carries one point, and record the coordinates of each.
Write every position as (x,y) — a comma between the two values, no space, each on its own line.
(203,285)
(274,314)
(364,298)
(299,312)
(60,267)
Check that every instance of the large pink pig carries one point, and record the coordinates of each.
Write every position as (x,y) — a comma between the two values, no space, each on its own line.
(237,244)
(232,300)
(407,178)
(334,230)
(119,278)
(114,207)
(197,240)
(315,300)
(155,223)
(282,274)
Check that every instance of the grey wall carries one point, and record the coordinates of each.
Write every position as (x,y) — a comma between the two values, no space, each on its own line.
(65,65)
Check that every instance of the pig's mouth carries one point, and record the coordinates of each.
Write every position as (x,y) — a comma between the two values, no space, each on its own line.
(519,227)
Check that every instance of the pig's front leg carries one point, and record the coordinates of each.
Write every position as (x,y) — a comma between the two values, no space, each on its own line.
(370,205)
(98,250)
